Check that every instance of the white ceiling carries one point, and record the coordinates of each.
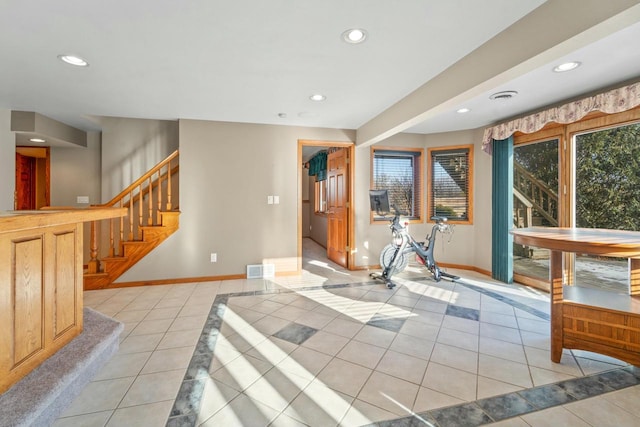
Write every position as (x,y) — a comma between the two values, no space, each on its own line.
(250,60)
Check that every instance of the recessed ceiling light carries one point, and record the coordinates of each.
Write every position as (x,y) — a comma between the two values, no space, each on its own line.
(317,97)
(354,35)
(567,66)
(503,96)
(37,140)
(463,110)
(73,60)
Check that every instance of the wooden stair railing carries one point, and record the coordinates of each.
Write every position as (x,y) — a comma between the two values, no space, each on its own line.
(115,245)
(542,198)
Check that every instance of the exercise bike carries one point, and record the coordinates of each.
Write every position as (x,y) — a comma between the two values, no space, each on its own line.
(395,256)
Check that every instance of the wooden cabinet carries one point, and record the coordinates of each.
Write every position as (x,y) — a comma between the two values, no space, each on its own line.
(591,319)
(40,286)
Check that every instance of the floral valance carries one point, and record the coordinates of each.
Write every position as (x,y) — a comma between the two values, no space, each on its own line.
(613,101)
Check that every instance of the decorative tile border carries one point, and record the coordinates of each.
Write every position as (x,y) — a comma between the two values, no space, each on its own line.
(497,408)
(187,404)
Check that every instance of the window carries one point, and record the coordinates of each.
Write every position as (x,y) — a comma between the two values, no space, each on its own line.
(597,187)
(399,171)
(321,196)
(450,183)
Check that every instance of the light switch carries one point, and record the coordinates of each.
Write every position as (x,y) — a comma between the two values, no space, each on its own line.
(276,200)
(269,200)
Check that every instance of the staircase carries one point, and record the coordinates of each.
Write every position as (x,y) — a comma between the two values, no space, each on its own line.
(118,244)
(534,204)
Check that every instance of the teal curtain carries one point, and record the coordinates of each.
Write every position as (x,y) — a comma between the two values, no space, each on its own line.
(318,166)
(502,209)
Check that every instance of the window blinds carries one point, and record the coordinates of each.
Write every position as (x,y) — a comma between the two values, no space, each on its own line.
(398,172)
(450,184)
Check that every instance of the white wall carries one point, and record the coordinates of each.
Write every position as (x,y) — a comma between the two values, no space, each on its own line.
(227,170)
(130,147)
(7,161)
(76,171)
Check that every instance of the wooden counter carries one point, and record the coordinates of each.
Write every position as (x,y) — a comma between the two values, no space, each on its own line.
(40,285)
(591,319)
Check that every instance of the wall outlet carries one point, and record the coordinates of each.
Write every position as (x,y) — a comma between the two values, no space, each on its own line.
(214,257)
(82,199)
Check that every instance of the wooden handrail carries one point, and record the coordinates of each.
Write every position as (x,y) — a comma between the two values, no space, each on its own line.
(528,187)
(154,183)
(138,216)
(143,178)
(519,169)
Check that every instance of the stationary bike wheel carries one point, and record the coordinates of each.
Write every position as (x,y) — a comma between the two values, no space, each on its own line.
(385,259)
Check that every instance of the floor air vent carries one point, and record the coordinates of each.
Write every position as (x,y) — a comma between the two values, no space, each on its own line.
(260,271)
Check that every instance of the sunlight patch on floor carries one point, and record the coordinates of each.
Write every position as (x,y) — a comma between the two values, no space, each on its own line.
(274,355)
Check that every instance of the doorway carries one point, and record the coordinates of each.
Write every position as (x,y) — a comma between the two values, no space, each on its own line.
(32,178)
(337,215)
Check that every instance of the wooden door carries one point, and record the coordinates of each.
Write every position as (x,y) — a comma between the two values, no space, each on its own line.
(25,182)
(338,205)
(32,178)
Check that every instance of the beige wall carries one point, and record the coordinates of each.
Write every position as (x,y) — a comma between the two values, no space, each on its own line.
(371,238)
(227,170)
(482,205)
(307,207)
(130,147)
(7,161)
(76,172)
(470,245)
(317,223)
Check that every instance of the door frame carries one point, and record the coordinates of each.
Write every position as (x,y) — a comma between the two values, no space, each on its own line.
(350,175)
(41,174)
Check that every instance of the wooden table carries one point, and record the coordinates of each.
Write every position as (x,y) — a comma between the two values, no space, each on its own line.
(591,319)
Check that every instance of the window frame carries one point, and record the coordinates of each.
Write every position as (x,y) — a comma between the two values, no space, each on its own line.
(320,197)
(470,179)
(418,177)
(565,133)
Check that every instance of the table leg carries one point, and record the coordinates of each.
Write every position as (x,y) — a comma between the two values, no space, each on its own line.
(555,277)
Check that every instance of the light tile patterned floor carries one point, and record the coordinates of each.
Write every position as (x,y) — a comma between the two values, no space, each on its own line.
(332,348)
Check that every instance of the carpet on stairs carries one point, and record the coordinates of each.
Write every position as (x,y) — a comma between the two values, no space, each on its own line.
(39,398)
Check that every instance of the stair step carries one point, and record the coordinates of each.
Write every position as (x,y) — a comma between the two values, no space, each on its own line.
(114,259)
(96,275)
(133,251)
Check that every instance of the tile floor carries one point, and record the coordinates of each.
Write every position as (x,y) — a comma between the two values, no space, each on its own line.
(331,348)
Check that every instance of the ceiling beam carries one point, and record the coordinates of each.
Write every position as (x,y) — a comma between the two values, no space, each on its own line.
(555,29)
